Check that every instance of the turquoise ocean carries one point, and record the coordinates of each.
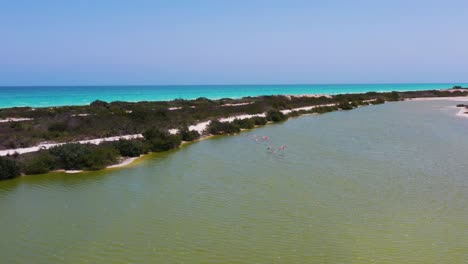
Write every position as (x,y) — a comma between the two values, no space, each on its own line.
(44,96)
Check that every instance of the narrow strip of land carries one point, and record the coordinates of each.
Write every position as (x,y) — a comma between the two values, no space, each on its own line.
(200,128)
(110,135)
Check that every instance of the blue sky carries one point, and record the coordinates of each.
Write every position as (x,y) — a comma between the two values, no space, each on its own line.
(232,42)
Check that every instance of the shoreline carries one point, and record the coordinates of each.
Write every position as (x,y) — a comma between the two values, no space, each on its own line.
(337,104)
(199,127)
(130,161)
(461,113)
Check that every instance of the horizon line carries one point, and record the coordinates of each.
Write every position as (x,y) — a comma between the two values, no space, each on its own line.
(232,84)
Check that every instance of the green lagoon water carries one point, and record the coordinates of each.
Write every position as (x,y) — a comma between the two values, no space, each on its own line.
(380,184)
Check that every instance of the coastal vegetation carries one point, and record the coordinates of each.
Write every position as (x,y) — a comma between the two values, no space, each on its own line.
(8,169)
(154,120)
(159,140)
(223,128)
(275,116)
(189,135)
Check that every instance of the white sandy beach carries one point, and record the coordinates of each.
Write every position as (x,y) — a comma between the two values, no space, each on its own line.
(463,112)
(123,163)
(13,119)
(96,141)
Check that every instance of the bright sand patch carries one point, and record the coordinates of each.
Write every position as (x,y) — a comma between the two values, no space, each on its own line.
(123,163)
(96,141)
(239,104)
(13,119)
(463,112)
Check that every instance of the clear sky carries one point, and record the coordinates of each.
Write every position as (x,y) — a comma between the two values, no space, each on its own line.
(47,42)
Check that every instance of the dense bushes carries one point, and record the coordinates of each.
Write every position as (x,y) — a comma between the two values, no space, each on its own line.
(324,109)
(247,123)
(259,121)
(41,163)
(378,101)
(76,156)
(131,148)
(101,157)
(394,96)
(221,128)
(345,106)
(189,135)
(84,156)
(161,141)
(275,116)
(8,169)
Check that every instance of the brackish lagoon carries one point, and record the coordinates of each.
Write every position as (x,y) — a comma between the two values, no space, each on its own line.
(379,184)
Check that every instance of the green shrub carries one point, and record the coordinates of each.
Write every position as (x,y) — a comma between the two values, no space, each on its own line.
(71,156)
(324,109)
(296,113)
(161,141)
(247,123)
(259,121)
(100,157)
(9,169)
(189,135)
(84,156)
(378,101)
(131,148)
(345,106)
(275,116)
(42,163)
(220,128)
(394,96)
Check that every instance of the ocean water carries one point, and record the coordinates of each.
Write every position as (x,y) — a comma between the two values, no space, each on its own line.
(379,184)
(42,96)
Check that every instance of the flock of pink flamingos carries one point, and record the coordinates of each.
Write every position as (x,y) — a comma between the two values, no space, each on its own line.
(266,140)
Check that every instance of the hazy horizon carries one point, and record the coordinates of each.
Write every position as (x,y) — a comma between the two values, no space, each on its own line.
(48,43)
(232,84)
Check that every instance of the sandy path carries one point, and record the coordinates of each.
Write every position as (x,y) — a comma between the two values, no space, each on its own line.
(13,119)
(96,141)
